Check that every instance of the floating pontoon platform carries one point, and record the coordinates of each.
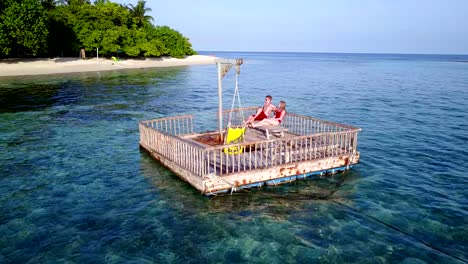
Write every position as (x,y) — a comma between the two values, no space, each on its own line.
(308,146)
(302,146)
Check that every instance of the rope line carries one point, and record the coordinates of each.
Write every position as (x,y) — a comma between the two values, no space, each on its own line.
(316,196)
(338,184)
(354,210)
(421,241)
(236,95)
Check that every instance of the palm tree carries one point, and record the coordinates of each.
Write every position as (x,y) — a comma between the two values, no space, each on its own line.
(139,12)
(100,2)
(78,2)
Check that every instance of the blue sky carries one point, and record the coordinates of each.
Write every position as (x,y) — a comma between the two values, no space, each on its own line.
(364,26)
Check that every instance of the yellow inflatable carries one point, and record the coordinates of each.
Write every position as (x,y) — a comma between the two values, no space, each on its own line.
(234,135)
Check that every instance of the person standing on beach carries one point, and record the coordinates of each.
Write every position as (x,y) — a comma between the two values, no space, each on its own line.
(82,54)
(262,112)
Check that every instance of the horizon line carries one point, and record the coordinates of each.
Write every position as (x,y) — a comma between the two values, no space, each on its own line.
(336,52)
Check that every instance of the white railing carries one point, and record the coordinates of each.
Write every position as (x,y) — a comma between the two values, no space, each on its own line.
(315,139)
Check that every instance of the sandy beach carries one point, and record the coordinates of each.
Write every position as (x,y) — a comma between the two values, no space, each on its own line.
(22,67)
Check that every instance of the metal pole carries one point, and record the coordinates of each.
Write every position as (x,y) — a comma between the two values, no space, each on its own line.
(219,64)
(220,102)
(97,58)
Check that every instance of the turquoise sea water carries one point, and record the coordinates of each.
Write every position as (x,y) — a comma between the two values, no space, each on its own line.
(76,188)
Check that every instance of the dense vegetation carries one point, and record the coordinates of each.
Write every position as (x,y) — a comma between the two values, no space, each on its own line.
(39,28)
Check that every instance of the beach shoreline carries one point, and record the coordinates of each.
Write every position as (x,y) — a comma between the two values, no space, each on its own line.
(45,66)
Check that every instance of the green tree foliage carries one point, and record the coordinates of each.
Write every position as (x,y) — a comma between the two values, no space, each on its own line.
(49,4)
(62,38)
(23,28)
(78,2)
(101,2)
(176,45)
(62,27)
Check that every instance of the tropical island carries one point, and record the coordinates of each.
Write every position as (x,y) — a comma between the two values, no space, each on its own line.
(40,31)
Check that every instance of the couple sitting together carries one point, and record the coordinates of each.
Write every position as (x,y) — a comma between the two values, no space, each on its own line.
(262,115)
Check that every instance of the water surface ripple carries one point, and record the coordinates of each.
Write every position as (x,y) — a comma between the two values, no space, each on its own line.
(76,187)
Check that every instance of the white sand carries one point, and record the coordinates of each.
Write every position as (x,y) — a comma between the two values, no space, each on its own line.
(19,67)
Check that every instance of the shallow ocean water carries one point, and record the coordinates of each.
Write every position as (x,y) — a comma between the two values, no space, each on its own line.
(75,187)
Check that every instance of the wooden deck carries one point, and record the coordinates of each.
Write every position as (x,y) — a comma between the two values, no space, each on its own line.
(309,146)
(251,135)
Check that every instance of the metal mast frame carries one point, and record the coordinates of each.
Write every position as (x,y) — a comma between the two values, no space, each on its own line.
(223,65)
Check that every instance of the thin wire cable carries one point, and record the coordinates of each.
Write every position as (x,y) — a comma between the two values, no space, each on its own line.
(316,196)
